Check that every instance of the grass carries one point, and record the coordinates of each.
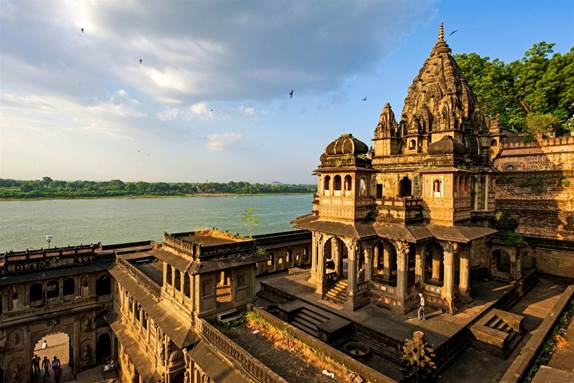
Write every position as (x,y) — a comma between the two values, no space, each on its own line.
(282,339)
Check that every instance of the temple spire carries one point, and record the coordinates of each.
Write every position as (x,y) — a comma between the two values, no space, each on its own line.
(441,32)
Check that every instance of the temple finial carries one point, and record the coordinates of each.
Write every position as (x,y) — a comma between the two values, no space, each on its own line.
(441,32)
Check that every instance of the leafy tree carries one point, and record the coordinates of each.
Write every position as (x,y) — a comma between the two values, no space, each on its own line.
(538,123)
(250,220)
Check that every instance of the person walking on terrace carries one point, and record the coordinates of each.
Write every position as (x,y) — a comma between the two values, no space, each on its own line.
(421,312)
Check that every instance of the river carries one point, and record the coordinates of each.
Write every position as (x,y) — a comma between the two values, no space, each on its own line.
(24,224)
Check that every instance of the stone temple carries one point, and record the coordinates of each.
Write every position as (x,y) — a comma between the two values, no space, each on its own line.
(444,205)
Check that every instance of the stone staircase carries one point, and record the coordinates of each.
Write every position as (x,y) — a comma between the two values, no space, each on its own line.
(338,293)
(308,319)
(498,332)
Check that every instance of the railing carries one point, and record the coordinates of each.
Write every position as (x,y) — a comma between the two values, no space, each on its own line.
(545,142)
(242,359)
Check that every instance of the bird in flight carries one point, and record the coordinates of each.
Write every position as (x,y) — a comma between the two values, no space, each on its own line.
(82,30)
(141,60)
(364,98)
(291,94)
(211,110)
(453,32)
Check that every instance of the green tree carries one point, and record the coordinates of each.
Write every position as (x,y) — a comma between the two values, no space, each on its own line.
(539,123)
(250,220)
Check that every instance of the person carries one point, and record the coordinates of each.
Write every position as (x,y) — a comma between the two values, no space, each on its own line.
(57,367)
(44,344)
(36,363)
(421,312)
(46,366)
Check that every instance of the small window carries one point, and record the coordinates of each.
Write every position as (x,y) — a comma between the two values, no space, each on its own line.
(168,275)
(363,186)
(379,190)
(327,183)
(69,287)
(36,293)
(493,142)
(52,290)
(186,285)
(509,168)
(177,282)
(412,144)
(337,183)
(436,186)
(348,183)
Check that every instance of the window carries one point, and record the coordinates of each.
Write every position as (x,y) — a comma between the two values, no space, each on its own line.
(177,283)
(168,277)
(412,144)
(337,183)
(493,142)
(186,286)
(52,290)
(348,183)
(363,187)
(36,293)
(327,183)
(288,256)
(405,187)
(437,188)
(69,287)
(379,190)
(509,168)
(104,285)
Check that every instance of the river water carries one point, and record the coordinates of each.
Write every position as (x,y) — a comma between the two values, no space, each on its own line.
(24,224)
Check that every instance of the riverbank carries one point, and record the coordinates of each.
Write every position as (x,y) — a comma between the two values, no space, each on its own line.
(151,196)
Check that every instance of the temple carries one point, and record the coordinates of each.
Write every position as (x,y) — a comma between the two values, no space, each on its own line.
(444,205)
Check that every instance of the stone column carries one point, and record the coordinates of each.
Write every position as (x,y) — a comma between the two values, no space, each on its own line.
(314,256)
(368,250)
(464,284)
(402,249)
(447,292)
(386,261)
(320,277)
(352,272)
(435,266)
(420,264)
(375,259)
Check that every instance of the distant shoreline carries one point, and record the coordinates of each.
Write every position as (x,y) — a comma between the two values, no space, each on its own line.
(150,196)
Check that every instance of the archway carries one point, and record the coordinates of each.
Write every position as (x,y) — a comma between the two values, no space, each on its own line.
(58,345)
(104,285)
(433,264)
(103,347)
(502,260)
(405,187)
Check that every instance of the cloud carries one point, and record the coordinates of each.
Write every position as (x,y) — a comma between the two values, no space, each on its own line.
(256,50)
(219,141)
(247,110)
(169,114)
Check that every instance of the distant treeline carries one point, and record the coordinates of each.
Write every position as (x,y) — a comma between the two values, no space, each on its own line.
(48,188)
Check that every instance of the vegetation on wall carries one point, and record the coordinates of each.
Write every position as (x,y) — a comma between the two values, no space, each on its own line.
(534,94)
(48,188)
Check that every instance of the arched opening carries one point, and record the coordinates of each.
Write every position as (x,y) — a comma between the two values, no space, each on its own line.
(223,288)
(104,285)
(36,294)
(385,263)
(493,142)
(348,184)
(168,275)
(502,259)
(103,347)
(69,288)
(363,187)
(437,188)
(52,290)
(433,262)
(405,187)
(412,144)
(509,168)
(177,280)
(327,184)
(46,348)
(186,286)
(337,183)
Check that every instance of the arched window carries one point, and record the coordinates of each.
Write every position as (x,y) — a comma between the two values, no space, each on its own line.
(69,287)
(363,186)
(437,188)
(337,183)
(53,290)
(412,144)
(348,183)
(103,347)
(405,187)
(493,142)
(509,168)
(104,285)
(177,282)
(36,293)
(168,275)
(327,183)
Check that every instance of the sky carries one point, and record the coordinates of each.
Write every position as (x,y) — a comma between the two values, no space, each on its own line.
(209,100)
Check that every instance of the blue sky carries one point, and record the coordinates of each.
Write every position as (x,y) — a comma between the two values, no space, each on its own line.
(210,99)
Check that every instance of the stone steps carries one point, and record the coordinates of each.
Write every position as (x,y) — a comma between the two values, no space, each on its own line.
(307,320)
(338,293)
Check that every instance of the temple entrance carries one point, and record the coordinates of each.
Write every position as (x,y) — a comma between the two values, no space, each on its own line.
(103,348)
(50,346)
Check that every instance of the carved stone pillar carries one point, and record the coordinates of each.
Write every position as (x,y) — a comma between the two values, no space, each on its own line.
(352,272)
(368,250)
(320,277)
(464,276)
(314,257)
(419,264)
(447,292)
(402,249)
(386,261)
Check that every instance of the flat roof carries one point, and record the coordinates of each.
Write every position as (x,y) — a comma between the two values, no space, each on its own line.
(152,268)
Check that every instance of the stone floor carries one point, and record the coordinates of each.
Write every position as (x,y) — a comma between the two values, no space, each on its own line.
(470,365)
(437,328)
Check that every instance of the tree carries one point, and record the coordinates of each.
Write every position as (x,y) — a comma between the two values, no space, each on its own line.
(46,179)
(540,123)
(418,359)
(249,220)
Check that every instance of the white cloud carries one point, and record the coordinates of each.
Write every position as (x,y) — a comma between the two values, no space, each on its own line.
(169,114)
(219,141)
(121,93)
(248,111)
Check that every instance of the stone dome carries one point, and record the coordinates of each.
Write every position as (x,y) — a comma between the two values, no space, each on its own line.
(447,145)
(346,144)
